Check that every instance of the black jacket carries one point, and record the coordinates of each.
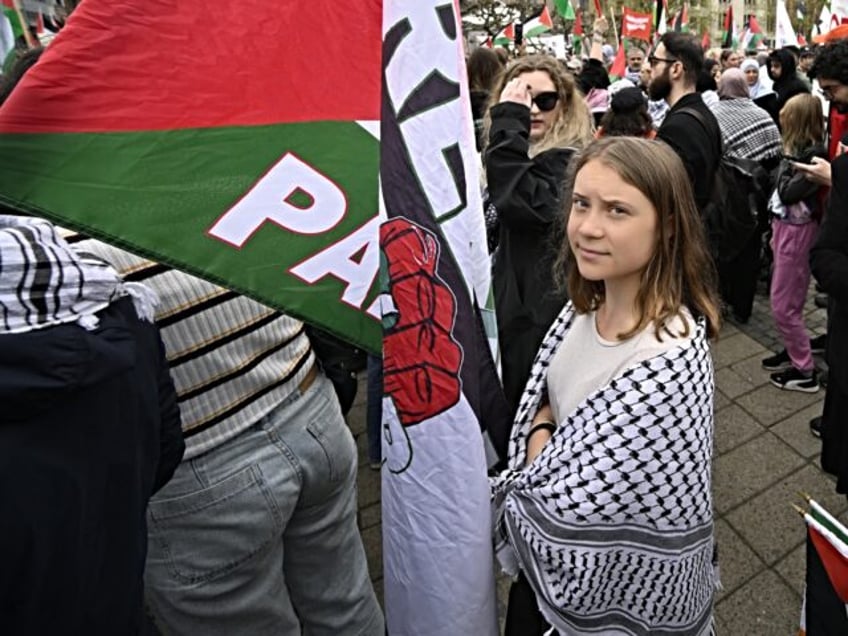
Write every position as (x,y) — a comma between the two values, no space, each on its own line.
(698,146)
(89,430)
(526,193)
(788,84)
(829,262)
(793,186)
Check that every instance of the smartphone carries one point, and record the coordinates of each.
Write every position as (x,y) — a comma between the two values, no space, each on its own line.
(519,34)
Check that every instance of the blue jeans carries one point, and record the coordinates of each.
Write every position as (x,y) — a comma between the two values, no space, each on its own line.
(259,535)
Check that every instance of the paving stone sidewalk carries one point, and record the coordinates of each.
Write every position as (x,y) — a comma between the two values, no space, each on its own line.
(764,455)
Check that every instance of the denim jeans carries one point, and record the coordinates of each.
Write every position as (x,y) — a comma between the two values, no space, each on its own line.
(259,535)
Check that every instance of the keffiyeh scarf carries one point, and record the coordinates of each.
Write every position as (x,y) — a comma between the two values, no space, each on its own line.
(612,523)
(43,282)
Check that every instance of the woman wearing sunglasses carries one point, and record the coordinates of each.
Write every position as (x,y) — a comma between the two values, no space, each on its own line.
(535,123)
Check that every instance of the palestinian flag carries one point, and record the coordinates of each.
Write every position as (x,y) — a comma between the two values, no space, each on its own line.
(705,40)
(254,166)
(538,25)
(826,594)
(506,36)
(660,17)
(577,35)
(681,19)
(564,8)
(752,35)
(729,35)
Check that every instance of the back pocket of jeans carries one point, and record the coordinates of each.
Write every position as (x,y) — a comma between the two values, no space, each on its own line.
(210,532)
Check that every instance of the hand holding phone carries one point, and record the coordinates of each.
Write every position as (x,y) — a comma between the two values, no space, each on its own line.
(817,170)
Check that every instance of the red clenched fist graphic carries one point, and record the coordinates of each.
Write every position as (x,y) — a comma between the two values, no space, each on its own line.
(421,359)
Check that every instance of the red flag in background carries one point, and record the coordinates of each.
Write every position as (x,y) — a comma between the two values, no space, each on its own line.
(598,10)
(705,40)
(619,65)
(636,25)
(39,24)
(577,29)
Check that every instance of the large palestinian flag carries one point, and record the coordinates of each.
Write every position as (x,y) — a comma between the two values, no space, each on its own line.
(238,142)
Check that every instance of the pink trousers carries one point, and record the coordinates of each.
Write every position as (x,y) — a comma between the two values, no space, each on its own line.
(790,280)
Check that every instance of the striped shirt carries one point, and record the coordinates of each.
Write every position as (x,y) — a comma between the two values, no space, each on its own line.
(232,359)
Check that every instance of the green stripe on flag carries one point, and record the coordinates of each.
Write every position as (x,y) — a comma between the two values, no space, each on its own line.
(159,193)
(15,21)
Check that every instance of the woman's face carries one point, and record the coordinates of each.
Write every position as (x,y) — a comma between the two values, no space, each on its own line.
(752,75)
(541,122)
(612,227)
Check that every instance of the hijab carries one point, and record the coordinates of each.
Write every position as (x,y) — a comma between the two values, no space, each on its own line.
(757,89)
(733,85)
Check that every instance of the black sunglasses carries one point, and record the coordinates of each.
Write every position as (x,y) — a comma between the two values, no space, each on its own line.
(546,101)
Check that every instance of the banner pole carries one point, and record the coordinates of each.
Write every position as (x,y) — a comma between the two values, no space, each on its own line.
(614,27)
(24,24)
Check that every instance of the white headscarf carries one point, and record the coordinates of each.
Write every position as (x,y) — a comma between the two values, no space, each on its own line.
(757,89)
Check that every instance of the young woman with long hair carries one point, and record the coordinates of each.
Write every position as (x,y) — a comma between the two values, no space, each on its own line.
(536,121)
(606,507)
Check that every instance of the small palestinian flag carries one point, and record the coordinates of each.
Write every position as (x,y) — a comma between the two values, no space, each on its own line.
(251,162)
(729,35)
(538,25)
(752,35)
(826,593)
(681,19)
(506,36)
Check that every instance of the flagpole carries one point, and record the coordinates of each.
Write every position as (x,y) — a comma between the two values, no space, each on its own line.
(614,28)
(24,24)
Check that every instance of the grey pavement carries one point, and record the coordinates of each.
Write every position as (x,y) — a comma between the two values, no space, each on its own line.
(764,456)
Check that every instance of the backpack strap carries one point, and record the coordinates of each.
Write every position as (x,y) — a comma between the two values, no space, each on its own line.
(700,117)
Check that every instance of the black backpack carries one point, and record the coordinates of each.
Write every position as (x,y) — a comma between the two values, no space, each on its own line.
(738,205)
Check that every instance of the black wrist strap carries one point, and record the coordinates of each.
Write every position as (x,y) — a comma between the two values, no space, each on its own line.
(542,426)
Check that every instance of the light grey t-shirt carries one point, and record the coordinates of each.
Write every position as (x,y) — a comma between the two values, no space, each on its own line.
(586,362)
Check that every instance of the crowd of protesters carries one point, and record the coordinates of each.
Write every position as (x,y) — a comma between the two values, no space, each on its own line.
(238,509)
(706,108)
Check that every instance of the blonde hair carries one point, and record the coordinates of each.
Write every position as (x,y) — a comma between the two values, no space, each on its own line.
(801,123)
(681,272)
(573,124)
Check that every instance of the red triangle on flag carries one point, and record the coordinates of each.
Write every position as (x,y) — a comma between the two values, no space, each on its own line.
(753,25)
(545,18)
(39,24)
(577,29)
(834,563)
(619,65)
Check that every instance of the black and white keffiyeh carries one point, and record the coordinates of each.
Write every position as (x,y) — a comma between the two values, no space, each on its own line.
(43,282)
(613,523)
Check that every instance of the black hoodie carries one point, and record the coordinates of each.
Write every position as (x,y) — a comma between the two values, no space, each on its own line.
(788,84)
(89,429)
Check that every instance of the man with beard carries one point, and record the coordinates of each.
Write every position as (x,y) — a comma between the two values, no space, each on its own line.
(829,262)
(689,127)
